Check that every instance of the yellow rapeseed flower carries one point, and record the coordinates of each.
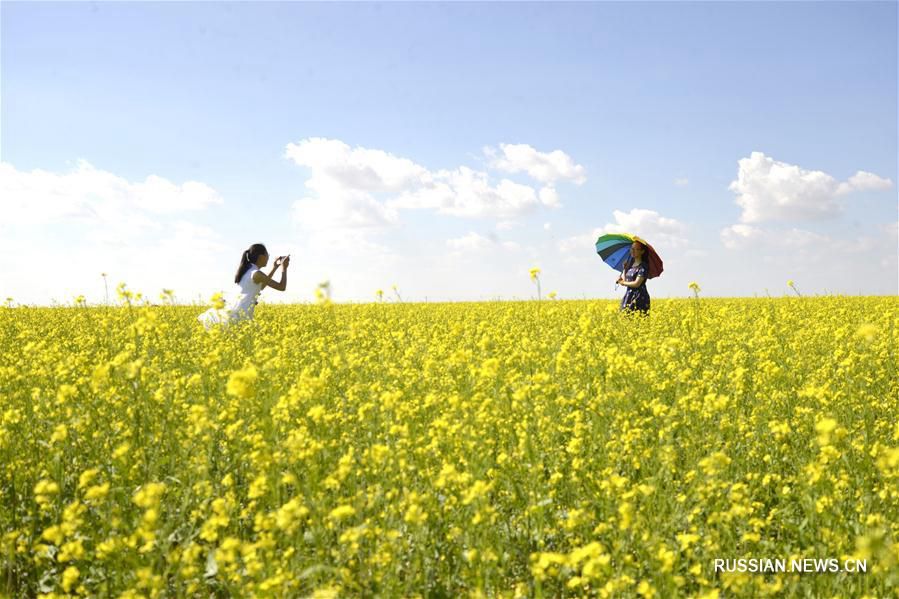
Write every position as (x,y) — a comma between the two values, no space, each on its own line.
(242,383)
(380,437)
(69,578)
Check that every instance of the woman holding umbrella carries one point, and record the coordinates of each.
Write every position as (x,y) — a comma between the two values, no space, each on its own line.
(637,261)
(634,278)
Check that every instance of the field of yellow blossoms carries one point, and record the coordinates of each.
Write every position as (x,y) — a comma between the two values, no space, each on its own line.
(502,449)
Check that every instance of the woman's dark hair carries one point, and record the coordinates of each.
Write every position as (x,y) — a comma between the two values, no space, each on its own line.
(249,257)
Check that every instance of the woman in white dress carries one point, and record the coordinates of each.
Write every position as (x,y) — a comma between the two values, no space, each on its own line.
(252,281)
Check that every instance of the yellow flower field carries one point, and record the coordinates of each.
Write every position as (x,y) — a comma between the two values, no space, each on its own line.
(513,449)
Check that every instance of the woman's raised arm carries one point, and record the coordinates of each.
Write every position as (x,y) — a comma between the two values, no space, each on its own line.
(268,281)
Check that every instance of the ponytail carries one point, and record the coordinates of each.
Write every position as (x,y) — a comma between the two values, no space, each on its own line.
(249,258)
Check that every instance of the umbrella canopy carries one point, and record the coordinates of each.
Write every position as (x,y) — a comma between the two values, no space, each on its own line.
(614,249)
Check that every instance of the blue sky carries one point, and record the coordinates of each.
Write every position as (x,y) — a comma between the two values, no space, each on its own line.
(657,103)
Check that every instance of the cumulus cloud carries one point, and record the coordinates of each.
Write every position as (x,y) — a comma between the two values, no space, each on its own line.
(770,190)
(549,197)
(650,225)
(660,231)
(96,196)
(358,168)
(363,187)
(546,167)
(739,235)
(338,207)
(87,220)
(468,193)
(864,181)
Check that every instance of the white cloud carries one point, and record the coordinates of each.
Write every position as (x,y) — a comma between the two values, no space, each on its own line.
(343,180)
(337,208)
(739,235)
(664,233)
(86,221)
(864,181)
(546,167)
(650,225)
(769,190)
(549,197)
(355,168)
(90,195)
(682,182)
(348,186)
(468,193)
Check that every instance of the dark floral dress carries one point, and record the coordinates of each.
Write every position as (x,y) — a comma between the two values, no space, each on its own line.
(636,298)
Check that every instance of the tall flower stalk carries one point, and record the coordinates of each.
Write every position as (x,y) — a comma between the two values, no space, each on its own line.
(323,293)
(535,277)
(694,286)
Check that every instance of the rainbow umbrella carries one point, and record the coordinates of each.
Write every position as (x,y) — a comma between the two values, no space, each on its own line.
(614,249)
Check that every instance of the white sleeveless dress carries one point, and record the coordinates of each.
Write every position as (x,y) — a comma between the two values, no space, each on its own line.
(240,308)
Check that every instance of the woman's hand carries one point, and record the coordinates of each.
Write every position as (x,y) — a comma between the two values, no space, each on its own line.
(286,262)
